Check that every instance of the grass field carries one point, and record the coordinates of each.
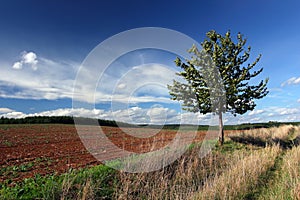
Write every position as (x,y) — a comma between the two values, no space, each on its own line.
(252,164)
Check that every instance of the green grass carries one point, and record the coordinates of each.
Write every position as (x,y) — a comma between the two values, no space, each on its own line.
(13,171)
(99,179)
(230,146)
(7,143)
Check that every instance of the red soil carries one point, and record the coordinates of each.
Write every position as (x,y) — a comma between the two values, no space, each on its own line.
(48,149)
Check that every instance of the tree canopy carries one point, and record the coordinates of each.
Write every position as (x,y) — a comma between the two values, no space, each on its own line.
(217,80)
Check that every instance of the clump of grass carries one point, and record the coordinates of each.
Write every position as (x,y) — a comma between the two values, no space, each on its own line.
(236,182)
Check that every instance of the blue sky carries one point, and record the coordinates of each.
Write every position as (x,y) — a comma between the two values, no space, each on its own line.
(43,44)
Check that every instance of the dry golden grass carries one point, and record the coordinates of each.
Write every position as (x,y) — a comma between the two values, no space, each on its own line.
(87,191)
(267,136)
(238,179)
(177,181)
(287,182)
(218,175)
(292,168)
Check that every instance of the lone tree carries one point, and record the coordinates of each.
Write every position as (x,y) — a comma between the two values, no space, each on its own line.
(228,89)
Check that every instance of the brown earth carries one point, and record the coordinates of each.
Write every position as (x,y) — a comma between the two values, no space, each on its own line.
(27,150)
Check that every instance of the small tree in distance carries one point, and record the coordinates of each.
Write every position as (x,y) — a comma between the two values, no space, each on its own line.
(228,90)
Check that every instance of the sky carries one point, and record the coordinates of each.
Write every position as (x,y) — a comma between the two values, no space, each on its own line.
(46,45)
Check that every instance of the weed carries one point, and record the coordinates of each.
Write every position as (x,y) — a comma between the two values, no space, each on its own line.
(7,143)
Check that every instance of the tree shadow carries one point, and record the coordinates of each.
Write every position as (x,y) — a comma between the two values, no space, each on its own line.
(257,141)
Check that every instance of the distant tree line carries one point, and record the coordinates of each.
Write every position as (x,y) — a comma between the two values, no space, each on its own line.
(61,120)
(102,122)
(38,120)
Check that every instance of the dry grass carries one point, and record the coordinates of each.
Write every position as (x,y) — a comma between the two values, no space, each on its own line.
(292,168)
(217,176)
(238,179)
(287,182)
(177,181)
(284,135)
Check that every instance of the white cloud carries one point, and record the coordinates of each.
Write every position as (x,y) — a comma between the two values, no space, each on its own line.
(291,81)
(80,112)
(298,100)
(121,86)
(256,112)
(14,115)
(288,111)
(17,65)
(6,110)
(266,114)
(133,115)
(27,58)
(143,83)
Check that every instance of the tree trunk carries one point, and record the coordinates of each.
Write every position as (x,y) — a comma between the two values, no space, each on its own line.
(221,129)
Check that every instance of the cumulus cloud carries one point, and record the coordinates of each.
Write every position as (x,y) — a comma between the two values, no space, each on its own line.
(81,112)
(256,112)
(287,111)
(291,81)
(5,110)
(133,115)
(17,65)
(14,114)
(298,100)
(280,114)
(27,58)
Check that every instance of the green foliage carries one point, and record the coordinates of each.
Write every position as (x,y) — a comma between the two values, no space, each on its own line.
(101,180)
(230,146)
(203,89)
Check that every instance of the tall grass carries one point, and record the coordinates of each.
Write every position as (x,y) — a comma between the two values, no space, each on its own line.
(178,181)
(285,135)
(236,182)
(287,182)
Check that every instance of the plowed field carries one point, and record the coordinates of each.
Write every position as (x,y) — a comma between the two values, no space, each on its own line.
(27,150)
